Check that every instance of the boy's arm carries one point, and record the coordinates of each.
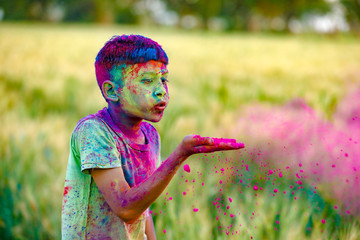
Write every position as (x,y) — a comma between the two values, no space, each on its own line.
(149,228)
(129,203)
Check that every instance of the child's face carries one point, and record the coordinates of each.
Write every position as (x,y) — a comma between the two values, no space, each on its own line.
(143,92)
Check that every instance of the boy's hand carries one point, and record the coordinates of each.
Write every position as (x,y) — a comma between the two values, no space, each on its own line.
(193,144)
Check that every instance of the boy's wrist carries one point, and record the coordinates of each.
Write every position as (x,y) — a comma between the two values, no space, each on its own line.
(180,154)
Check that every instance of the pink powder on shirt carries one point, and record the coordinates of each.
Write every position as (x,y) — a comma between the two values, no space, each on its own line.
(186,168)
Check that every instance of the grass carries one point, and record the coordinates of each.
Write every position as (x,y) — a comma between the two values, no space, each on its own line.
(47,82)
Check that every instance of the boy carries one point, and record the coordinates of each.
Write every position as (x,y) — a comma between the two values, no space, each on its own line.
(112,176)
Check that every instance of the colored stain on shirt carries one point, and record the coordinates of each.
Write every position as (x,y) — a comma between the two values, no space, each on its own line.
(186,168)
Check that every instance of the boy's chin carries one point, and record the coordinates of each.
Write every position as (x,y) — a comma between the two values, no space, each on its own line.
(155,119)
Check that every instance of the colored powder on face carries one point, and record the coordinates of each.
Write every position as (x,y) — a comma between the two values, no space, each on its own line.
(186,168)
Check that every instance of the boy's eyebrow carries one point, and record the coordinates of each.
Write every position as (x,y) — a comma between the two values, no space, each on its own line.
(154,73)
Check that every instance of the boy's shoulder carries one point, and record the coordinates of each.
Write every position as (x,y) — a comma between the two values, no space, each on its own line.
(101,122)
(149,128)
(91,126)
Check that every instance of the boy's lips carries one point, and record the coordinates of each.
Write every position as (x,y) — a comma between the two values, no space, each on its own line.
(160,106)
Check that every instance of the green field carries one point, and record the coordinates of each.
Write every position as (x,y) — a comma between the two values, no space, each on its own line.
(47,84)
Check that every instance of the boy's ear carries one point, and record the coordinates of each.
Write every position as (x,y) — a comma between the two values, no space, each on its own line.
(108,89)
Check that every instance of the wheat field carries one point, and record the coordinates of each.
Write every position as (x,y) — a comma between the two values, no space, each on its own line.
(47,84)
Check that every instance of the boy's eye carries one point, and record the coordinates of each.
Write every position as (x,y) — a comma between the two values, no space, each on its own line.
(146,80)
(164,80)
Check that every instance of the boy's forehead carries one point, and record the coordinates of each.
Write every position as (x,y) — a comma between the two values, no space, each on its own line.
(148,67)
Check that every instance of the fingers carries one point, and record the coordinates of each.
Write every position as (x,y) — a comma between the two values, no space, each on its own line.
(218,142)
(197,140)
(222,146)
(197,144)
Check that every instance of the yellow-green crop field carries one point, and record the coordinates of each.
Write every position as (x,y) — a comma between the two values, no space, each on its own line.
(47,83)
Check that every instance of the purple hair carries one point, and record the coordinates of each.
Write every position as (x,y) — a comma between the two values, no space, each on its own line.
(126,49)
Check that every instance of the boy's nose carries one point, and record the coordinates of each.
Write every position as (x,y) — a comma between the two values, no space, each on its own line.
(160,91)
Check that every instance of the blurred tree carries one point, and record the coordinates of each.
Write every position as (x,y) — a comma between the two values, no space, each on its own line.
(182,8)
(203,9)
(124,12)
(79,11)
(207,9)
(238,13)
(25,9)
(104,11)
(101,11)
(352,13)
(243,14)
(289,10)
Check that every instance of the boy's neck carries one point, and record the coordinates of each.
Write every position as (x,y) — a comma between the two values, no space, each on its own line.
(129,126)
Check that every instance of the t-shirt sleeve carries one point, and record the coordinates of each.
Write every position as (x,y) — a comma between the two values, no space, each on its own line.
(159,151)
(96,146)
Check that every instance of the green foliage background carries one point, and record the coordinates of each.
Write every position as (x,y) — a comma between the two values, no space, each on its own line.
(47,84)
